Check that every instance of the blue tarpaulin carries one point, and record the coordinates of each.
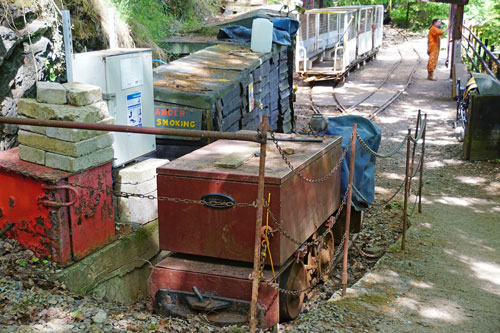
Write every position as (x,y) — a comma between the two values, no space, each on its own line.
(283,28)
(364,166)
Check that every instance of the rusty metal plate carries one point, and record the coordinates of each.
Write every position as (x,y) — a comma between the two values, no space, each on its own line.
(38,227)
(48,218)
(92,215)
(223,280)
(201,163)
(229,233)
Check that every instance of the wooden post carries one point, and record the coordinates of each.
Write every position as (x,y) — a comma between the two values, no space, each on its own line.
(456,57)
(258,226)
(421,177)
(348,210)
(449,50)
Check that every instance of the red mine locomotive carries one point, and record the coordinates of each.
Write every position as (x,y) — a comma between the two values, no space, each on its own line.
(210,263)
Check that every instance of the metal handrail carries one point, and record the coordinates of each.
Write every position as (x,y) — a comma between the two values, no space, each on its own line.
(471,44)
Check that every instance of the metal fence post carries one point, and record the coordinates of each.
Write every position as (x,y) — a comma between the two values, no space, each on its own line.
(420,183)
(68,44)
(405,206)
(348,210)
(415,144)
(258,226)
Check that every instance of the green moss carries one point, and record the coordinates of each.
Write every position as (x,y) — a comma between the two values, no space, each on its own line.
(360,303)
(144,233)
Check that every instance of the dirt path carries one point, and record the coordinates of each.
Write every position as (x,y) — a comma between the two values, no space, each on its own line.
(448,280)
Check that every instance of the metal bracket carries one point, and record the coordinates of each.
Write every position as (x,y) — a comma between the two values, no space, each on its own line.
(59,204)
(108,96)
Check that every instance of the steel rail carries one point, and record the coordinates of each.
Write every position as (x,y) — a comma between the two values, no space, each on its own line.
(400,91)
(352,107)
(343,109)
(253,137)
(392,99)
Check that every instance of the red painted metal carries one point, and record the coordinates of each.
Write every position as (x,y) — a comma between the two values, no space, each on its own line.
(47,221)
(223,279)
(92,216)
(229,233)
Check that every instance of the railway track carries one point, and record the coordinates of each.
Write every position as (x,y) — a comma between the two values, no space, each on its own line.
(392,78)
(380,91)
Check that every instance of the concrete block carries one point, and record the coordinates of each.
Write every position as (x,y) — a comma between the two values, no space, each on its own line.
(137,210)
(139,172)
(50,92)
(30,108)
(30,154)
(142,188)
(111,269)
(73,149)
(75,164)
(81,94)
(76,135)
(33,129)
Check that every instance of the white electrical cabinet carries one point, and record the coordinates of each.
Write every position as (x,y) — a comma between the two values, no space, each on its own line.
(126,79)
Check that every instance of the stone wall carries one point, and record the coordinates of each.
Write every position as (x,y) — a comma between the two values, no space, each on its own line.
(28,41)
(31,47)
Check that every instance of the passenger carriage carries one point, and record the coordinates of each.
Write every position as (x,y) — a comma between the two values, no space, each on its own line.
(332,40)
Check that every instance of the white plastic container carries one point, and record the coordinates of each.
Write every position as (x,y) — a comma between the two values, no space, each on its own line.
(262,35)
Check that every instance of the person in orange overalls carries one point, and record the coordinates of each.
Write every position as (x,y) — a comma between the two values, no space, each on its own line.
(433,42)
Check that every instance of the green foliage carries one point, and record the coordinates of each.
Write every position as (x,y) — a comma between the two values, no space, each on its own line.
(485,14)
(418,15)
(53,70)
(157,19)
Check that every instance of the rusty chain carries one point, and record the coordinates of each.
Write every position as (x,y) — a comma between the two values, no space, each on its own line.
(374,153)
(422,123)
(177,200)
(315,241)
(373,203)
(370,255)
(309,180)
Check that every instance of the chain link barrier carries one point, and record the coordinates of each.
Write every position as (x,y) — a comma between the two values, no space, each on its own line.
(315,241)
(383,203)
(379,155)
(309,180)
(393,152)
(170,199)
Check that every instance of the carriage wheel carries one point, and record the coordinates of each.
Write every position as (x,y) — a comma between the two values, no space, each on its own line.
(326,253)
(293,278)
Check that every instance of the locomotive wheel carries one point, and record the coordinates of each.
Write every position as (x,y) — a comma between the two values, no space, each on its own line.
(326,254)
(293,278)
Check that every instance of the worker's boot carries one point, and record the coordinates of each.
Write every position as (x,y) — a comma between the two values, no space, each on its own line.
(430,76)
